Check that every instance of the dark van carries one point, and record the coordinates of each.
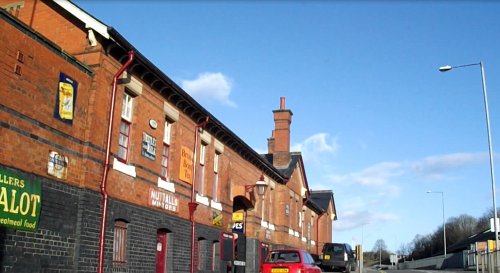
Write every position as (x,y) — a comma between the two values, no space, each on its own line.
(338,257)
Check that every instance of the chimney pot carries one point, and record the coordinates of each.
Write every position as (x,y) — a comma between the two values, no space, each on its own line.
(282,103)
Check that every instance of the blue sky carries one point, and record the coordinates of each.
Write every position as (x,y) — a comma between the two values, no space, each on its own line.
(376,121)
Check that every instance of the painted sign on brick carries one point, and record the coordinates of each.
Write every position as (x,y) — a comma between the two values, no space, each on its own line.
(20,202)
(163,200)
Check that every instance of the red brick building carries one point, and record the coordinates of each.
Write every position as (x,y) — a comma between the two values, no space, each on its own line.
(108,165)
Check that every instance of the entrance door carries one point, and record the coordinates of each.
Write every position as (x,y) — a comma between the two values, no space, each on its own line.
(161,252)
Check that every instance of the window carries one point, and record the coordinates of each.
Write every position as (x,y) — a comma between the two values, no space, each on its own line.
(123,142)
(124,139)
(165,150)
(203,254)
(164,162)
(216,178)
(120,241)
(201,177)
(216,256)
(127,107)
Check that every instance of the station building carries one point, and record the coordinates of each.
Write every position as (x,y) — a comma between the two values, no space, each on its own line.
(107,165)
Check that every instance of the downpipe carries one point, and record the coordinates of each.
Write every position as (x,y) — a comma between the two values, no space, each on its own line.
(193,204)
(104,193)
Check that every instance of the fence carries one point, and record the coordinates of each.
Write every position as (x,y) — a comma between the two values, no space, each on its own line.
(481,262)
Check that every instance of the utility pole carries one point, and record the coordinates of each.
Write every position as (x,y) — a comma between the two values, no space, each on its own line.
(380,255)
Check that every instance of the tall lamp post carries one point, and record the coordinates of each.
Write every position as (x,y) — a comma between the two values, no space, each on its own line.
(444,222)
(490,145)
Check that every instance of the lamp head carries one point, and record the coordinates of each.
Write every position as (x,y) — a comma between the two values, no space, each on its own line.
(445,68)
(261,186)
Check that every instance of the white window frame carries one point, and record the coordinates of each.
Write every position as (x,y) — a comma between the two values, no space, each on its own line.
(127,107)
(126,120)
(215,189)
(201,174)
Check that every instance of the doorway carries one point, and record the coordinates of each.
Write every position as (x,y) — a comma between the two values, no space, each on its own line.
(161,251)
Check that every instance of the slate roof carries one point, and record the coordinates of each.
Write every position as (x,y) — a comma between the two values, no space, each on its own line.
(465,243)
(323,199)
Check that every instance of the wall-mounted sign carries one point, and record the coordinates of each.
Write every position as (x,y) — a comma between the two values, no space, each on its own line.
(20,202)
(65,98)
(227,247)
(238,227)
(186,169)
(163,200)
(148,146)
(238,216)
(217,218)
(57,165)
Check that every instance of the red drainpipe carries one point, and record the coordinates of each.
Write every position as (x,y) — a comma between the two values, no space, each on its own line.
(193,204)
(106,162)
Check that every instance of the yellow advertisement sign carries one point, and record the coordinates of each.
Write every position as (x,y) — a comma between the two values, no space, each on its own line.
(238,216)
(186,169)
(217,218)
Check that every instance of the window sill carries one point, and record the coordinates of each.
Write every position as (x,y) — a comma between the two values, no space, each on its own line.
(202,199)
(124,168)
(169,186)
(216,205)
(263,224)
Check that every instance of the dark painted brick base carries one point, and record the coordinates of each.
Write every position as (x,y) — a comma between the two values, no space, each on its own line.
(67,238)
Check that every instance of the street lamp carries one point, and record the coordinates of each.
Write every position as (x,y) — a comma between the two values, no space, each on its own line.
(261,186)
(490,145)
(444,222)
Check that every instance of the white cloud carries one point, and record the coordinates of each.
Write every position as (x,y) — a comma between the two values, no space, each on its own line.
(435,167)
(316,145)
(210,87)
(375,175)
(351,219)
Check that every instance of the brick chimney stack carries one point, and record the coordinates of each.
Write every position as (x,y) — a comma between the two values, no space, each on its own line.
(279,143)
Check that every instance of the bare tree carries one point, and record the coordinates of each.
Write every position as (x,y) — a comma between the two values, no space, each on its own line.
(459,228)
(379,251)
(422,247)
(483,222)
(379,245)
(404,249)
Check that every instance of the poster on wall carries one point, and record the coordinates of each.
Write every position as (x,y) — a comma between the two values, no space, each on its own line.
(148,146)
(20,202)
(65,99)
(186,166)
(217,218)
(57,165)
